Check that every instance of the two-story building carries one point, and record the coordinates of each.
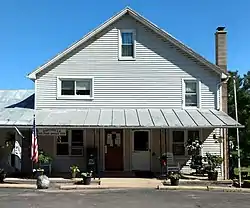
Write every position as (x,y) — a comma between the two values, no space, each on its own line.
(132,91)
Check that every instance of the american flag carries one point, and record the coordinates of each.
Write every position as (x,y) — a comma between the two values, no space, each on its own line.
(34,145)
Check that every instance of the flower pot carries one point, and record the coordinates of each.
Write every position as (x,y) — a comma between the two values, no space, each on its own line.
(38,173)
(73,174)
(174,182)
(86,180)
(212,176)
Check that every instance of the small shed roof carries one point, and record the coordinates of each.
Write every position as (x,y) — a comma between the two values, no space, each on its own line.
(8,98)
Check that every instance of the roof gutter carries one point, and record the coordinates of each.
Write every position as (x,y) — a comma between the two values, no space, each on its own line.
(114,127)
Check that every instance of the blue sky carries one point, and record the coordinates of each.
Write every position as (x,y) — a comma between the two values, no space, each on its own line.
(34,31)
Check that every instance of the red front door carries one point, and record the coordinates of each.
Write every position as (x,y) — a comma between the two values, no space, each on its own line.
(113,150)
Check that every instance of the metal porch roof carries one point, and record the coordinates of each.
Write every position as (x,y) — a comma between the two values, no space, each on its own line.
(118,118)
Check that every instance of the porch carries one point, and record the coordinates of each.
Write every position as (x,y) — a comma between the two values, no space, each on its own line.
(124,140)
(123,150)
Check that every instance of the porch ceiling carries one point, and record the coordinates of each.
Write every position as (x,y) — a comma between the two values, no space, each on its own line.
(119,118)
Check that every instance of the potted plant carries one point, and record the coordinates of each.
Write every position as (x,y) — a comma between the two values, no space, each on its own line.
(2,175)
(163,159)
(74,170)
(213,161)
(194,146)
(38,172)
(44,161)
(86,176)
(174,178)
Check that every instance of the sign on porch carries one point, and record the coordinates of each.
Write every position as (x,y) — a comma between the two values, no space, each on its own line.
(52,132)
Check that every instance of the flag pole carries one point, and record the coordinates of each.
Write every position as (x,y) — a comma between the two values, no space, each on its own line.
(34,144)
(237,130)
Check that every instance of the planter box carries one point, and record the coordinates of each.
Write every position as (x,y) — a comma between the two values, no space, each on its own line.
(46,168)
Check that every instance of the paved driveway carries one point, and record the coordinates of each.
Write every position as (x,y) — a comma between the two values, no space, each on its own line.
(121,199)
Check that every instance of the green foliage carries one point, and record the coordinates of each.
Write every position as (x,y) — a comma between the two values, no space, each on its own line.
(243,169)
(74,169)
(163,157)
(44,158)
(243,102)
(5,150)
(213,161)
(194,147)
(174,175)
(86,174)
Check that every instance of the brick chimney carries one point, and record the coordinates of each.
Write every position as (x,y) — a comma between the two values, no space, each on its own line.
(221,60)
(221,48)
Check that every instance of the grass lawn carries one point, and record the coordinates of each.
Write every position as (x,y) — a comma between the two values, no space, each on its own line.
(243,169)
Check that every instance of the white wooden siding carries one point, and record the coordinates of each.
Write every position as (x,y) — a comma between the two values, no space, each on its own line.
(153,80)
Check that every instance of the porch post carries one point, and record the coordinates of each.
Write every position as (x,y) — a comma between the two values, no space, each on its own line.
(94,137)
(166,140)
(99,156)
(160,153)
(160,144)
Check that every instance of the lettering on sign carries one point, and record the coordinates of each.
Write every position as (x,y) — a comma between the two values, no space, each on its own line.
(52,132)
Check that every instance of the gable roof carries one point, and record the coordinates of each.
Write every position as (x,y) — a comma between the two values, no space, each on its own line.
(142,20)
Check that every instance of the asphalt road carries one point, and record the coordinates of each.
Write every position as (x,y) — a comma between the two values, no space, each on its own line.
(122,199)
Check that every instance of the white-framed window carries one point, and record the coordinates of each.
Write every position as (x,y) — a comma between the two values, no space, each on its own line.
(191,93)
(70,145)
(178,144)
(127,46)
(75,87)
(180,138)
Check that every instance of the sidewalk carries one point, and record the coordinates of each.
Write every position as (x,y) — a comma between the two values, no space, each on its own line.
(204,188)
(128,183)
(108,183)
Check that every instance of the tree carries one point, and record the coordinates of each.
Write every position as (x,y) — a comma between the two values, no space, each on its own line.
(243,102)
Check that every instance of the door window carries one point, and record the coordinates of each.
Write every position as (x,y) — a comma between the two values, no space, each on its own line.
(141,141)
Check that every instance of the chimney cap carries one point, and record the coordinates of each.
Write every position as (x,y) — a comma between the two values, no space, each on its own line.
(220,28)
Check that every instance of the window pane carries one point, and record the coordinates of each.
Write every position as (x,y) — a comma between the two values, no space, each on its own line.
(76,151)
(62,139)
(178,149)
(127,50)
(62,149)
(127,38)
(127,44)
(68,87)
(178,143)
(191,87)
(178,136)
(193,135)
(141,141)
(77,137)
(191,100)
(83,87)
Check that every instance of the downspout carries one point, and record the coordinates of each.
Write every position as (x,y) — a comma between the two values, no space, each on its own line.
(223,145)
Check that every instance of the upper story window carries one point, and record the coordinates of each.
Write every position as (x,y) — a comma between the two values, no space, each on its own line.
(127,45)
(191,93)
(75,88)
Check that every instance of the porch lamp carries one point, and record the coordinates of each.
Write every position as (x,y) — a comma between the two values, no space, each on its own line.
(237,129)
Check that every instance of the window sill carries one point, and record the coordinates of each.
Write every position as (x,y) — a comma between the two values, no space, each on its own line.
(126,59)
(74,97)
(190,108)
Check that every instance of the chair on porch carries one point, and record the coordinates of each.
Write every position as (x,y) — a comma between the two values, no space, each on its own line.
(171,163)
